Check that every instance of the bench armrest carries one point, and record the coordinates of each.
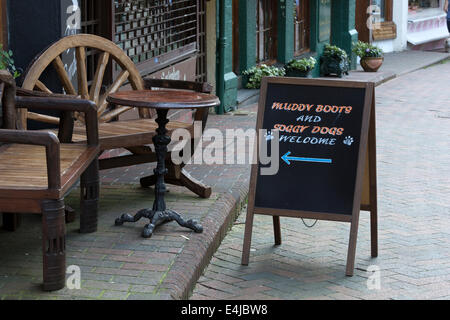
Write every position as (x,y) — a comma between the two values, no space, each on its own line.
(88,107)
(40,138)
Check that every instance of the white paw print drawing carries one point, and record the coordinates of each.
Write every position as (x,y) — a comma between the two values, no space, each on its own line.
(268,135)
(348,140)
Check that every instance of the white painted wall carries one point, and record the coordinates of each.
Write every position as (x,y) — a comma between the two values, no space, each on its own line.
(401,16)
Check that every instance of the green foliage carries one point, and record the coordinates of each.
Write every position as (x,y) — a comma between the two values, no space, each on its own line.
(256,74)
(305,64)
(334,52)
(7,62)
(365,50)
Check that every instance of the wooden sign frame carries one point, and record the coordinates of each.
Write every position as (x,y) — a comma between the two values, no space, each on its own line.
(365,192)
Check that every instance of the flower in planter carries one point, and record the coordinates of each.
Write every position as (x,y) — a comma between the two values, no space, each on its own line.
(371,56)
(334,52)
(256,74)
(305,64)
(367,50)
(7,62)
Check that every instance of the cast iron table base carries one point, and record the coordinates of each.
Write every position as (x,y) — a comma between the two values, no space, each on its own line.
(159,214)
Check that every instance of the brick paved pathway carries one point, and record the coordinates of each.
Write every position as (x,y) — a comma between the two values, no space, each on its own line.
(413,141)
(116,262)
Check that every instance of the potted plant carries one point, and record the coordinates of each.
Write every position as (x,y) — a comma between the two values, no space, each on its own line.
(334,61)
(300,67)
(7,62)
(371,56)
(254,75)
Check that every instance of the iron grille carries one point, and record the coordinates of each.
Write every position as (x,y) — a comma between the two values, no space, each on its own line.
(93,21)
(155,31)
(201,40)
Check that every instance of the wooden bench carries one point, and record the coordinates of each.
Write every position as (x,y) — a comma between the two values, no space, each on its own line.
(37,170)
(133,135)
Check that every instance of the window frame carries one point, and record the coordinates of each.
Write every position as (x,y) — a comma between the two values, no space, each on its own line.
(388,28)
(272,29)
(305,5)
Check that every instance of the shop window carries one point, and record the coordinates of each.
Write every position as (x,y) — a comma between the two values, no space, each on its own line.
(382,15)
(381,10)
(423,4)
(427,27)
(301,26)
(419,9)
(153,33)
(266,31)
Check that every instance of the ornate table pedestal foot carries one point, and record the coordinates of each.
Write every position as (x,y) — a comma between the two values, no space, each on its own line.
(159,214)
(157,218)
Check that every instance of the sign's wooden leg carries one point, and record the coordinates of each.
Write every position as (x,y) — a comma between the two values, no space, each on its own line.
(247,237)
(373,181)
(352,246)
(374,233)
(277,230)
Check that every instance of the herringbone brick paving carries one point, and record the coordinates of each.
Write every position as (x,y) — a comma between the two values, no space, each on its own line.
(413,166)
(116,262)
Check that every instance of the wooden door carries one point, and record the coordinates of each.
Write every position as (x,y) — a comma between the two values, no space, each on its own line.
(301,27)
(266,31)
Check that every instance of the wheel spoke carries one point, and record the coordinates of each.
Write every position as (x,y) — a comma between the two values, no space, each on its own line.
(42,87)
(114,113)
(96,86)
(122,77)
(62,74)
(42,118)
(94,91)
(82,72)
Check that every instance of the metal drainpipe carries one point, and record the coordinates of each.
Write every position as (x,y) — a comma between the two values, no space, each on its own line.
(221,58)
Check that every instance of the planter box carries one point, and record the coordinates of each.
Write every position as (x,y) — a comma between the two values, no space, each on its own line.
(298,73)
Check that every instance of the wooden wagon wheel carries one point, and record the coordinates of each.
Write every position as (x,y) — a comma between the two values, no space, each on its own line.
(107,50)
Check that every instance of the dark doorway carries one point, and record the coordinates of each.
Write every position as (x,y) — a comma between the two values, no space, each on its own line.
(266,31)
(301,27)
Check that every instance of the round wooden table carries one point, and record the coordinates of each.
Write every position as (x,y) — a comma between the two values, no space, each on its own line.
(162,101)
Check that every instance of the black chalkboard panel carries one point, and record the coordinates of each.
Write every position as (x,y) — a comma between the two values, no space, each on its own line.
(322,126)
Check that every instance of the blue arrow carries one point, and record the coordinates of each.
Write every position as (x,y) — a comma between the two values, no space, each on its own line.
(286,158)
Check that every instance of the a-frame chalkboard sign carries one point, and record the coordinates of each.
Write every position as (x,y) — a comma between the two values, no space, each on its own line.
(327,150)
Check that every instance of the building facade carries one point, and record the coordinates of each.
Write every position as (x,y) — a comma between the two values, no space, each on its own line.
(427,24)
(402,24)
(275,31)
(164,38)
(203,40)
